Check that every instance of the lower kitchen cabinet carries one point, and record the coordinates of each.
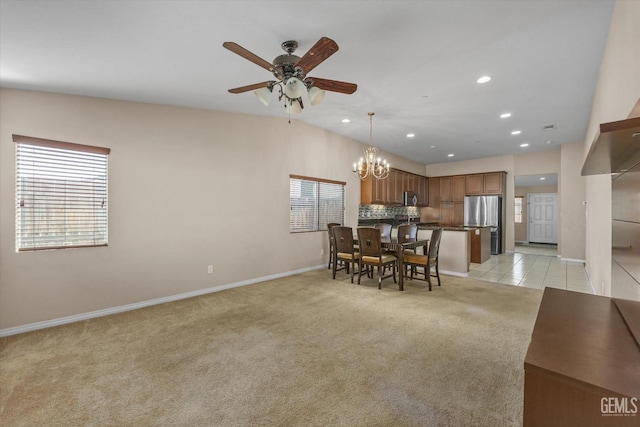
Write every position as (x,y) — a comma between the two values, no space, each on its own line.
(451,213)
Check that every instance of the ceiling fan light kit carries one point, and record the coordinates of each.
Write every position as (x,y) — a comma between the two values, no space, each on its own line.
(264,94)
(291,72)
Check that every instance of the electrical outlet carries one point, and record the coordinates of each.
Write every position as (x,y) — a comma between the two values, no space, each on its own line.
(322,251)
(210,269)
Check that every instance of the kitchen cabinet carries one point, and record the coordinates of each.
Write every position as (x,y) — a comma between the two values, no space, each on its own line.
(390,191)
(459,190)
(485,183)
(452,188)
(446,195)
(370,191)
(480,245)
(451,213)
(434,192)
(475,183)
(423,191)
(493,182)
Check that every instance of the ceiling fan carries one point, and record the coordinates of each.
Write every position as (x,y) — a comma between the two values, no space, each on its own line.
(291,73)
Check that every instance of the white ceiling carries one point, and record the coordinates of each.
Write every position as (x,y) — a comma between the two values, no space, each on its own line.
(415,63)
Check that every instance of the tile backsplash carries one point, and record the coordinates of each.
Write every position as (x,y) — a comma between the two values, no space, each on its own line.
(383,211)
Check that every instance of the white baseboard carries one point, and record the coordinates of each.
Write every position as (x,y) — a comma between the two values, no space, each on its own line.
(454,273)
(572,260)
(134,306)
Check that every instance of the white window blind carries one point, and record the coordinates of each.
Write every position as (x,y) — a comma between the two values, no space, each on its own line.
(61,194)
(314,203)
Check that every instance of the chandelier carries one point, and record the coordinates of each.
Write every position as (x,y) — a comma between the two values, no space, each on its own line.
(371,164)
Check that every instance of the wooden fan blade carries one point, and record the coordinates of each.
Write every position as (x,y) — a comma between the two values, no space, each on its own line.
(239,50)
(334,85)
(324,48)
(249,87)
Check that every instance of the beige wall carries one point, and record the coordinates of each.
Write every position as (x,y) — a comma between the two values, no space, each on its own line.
(617,91)
(520,230)
(187,188)
(572,203)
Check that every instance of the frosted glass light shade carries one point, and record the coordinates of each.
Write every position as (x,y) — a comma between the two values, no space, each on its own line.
(293,106)
(264,94)
(316,95)
(294,88)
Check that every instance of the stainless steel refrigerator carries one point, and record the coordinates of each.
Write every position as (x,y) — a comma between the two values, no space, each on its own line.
(485,211)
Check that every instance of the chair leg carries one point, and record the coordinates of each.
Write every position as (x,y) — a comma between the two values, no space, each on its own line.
(353,269)
(380,269)
(333,270)
(393,267)
(359,270)
(437,273)
(427,273)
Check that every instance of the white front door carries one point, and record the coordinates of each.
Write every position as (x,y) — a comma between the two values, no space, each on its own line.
(543,218)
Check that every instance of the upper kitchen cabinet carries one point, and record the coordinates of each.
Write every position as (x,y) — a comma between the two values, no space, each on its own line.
(446,195)
(475,183)
(390,191)
(423,191)
(452,188)
(434,192)
(494,182)
(459,188)
(485,183)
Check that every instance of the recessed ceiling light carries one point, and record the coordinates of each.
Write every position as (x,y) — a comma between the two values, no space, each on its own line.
(524,145)
(549,142)
(505,115)
(346,121)
(484,79)
(433,146)
(411,135)
(516,132)
(450,155)
(542,178)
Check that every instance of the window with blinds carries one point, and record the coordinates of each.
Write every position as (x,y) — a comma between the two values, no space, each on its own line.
(314,203)
(61,194)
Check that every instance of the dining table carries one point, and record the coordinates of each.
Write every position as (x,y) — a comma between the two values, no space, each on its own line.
(391,244)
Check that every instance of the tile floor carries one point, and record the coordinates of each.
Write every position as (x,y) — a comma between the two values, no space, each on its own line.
(533,267)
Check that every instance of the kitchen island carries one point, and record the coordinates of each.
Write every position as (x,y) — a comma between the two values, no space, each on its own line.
(455,248)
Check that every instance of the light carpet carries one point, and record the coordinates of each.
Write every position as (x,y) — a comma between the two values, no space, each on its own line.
(303,350)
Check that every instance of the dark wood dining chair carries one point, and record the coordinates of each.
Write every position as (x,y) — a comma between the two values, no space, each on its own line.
(407,233)
(385,229)
(372,255)
(427,262)
(345,251)
(331,244)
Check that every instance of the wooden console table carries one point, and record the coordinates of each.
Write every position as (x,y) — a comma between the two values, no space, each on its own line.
(584,348)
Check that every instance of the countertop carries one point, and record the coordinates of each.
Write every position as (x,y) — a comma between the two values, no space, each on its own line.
(365,222)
